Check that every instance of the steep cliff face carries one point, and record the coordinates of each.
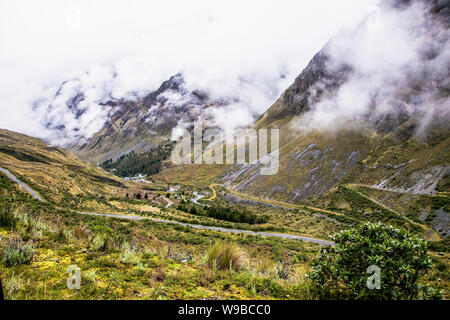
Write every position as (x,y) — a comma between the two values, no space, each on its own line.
(401,74)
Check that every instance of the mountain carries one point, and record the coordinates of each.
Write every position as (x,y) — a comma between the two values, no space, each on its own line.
(364,136)
(386,142)
(364,127)
(139,124)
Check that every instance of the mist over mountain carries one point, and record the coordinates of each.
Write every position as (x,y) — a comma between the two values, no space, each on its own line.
(112,50)
(140,124)
(81,107)
(395,63)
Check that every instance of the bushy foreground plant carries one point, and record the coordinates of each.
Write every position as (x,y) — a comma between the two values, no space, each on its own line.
(341,271)
(226,256)
(82,232)
(16,252)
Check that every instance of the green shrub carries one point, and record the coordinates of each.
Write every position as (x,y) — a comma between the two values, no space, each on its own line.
(226,256)
(128,255)
(16,252)
(341,271)
(142,267)
(98,243)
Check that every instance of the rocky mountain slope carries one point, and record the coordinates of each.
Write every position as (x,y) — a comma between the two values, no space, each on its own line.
(386,142)
(137,125)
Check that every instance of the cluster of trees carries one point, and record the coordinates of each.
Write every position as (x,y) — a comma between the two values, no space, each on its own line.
(138,196)
(146,163)
(223,213)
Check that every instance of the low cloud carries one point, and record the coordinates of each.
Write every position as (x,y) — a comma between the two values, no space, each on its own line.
(246,52)
(400,64)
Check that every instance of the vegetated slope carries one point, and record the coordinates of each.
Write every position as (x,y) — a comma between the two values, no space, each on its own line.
(146,163)
(124,259)
(385,142)
(53,172)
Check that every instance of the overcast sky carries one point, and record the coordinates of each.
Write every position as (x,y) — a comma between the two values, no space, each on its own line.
(214,44)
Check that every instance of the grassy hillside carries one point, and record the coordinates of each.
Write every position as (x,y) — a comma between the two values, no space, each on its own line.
(123,259)
(126,259)
(317,167)
(53,172)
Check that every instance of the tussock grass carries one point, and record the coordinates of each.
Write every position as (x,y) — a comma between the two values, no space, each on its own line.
(82,232)
(13,285)
(226,256)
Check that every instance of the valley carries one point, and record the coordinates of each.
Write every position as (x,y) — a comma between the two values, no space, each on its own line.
(166,245)
(360,151)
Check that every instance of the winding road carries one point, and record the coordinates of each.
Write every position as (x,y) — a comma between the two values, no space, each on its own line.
(432,234)
(33,193)
(197,197)
(272,202)
(195,226)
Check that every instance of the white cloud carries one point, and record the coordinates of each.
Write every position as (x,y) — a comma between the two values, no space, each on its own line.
(390,72)
(231,48)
